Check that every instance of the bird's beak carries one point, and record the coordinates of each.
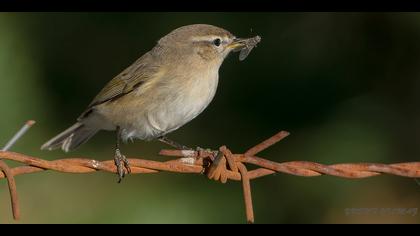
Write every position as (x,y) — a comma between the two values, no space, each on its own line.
(239,43)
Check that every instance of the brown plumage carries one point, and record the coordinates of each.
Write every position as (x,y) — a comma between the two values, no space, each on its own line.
(160,92)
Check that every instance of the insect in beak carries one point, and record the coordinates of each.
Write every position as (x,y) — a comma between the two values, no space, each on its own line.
(244,46)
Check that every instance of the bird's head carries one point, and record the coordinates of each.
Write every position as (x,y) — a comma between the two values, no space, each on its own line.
(204,43)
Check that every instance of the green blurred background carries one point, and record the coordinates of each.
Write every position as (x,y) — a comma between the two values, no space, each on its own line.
(346,85)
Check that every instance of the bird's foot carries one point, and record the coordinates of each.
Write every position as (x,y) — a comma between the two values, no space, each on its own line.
(208,155)
(217,168)
(217,157)
(208,151)
(121,162)
(222,162)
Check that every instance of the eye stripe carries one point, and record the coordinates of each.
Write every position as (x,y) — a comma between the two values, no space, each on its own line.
(209,38)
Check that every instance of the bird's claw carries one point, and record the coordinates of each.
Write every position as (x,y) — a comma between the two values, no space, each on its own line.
(121,162)
(217,169)
(213,153)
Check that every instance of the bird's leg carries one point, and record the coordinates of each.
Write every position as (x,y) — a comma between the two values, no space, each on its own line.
(174,144)
(119,159)
(178,146)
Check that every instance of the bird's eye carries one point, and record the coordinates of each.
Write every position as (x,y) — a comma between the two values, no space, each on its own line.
(217,42)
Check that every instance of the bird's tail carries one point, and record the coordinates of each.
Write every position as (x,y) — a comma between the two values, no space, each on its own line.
(71,138)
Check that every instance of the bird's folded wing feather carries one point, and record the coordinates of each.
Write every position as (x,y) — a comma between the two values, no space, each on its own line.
(131,78)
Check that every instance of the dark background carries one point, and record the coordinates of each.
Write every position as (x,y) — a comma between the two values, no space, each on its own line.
(344,84)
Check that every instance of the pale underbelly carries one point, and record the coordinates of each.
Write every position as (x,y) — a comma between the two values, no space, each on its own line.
(150,117)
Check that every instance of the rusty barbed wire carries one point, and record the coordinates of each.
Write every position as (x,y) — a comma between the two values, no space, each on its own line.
(227,166)
(8,172)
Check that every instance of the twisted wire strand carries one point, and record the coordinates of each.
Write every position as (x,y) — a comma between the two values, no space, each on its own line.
(200,162)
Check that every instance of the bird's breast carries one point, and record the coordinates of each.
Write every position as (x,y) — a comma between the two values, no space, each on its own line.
(163,106)
(189,98)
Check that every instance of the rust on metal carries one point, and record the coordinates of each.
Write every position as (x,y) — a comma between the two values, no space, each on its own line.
(230,167)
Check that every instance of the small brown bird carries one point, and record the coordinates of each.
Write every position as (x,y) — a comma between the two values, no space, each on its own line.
(163,90)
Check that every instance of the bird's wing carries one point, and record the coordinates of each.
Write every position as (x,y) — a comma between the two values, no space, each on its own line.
(131,78)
